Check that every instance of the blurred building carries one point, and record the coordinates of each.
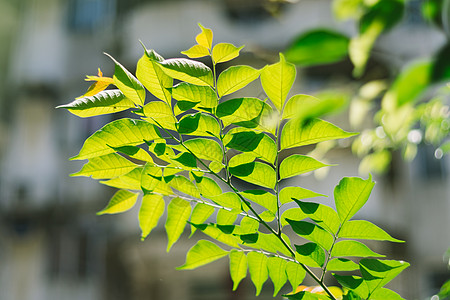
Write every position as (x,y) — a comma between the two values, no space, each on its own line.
(53,246)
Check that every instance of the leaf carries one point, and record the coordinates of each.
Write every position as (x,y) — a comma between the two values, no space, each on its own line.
(263,198)
(178,213)
(106,166)
(228,199)
(225,217)
(149,72)
(341,264)
(354,283)
(297,164)
(118,133)
(297,134)
(128,84)
(202,253)
(134,152)
(310,254)
(187,70)
(105,102)
(205,38)
(312,232)
(298,104)
(346,9)
(122,201)
(246,140)
(305,295)
(244,167)
(365,230)
(151,210)
(295,214)
(238,267)
(277,80)
(223,52)
(352,248)
(205,149)
(183,185)
(295,273)
(277,272)
(200,214)
(151,177)
(128,181)
(196,51)
(202,96)
(160,114)
(377,273)
(386,294)
(208,187)
(100,84)
(317,47)
(219,234)
(323,215)
(199,124)
(257,265)
(246,112)
(185,160)
(304,108)
(288,193)
(235,78)
(350,195)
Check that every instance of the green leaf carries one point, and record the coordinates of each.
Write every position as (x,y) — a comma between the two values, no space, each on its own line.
(219,234)
(122,201)
(246,140)
(244,167)
(317,47)
(350,195)
(341,264)
(225,217)
(183,185)
(199,124)
(216,166)
(386,294)
(277,80)
(346,9)
(178,213)
(295,214)
(352,248)
(128,84)
(104,102)
(187,70)
(312,232)
(295,273)
(223,52)
(238,267)
(323,215)
(228,199)
(160,114)
(134,152)
(205,38)
(263,198)
(365,230)
(377,273)
(354,283)
(289,193)
(122,132)
(202,96)
(248,225)
(297,164)
(202,253)
(196,51)
(257,265)
(151,177)
(310,254)
(128,181)
(304,295)
(185,160)
(304,107)
(277,272)
(208,187)
(235,78)
(297,134)
(205,149)
(248,113)
(298,104)
(200,214)
(149,72)
(152,208)
(106,166)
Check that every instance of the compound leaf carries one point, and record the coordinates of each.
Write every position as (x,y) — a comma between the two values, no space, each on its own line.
(122,201)
(202,253)
(205,38)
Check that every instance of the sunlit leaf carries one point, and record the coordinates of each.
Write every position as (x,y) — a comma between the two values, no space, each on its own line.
(196,51)
(297,104)
(288,194)
(277,80)
(364,230)
(202,253)
(295,273)
(223,52)
(151,210)
(345,9)
(383,294)
(205,38)
(354,283)
(100,84)
(295,214)
(310,254)
(208,187)
(122,132)
(128,84)
(341,264)
(178,213)
(297,164)
(277,272)
(312,232)
(200,214)
(151,177)
(149,72)
(183,185)
(201,96)
(218,234)
(305,295)
(228,199)
(106,166)
(377,273)
(188,70)
(323,215)
(257,265)
(352,248)
(134,152)
(305,107)
(350,195)
(198,124)
(263,198)
(160,114)
(129,181)
(297,134)
(225,217)
(122,201)
(316,47)
(235,78)
(238,267)
(244,167)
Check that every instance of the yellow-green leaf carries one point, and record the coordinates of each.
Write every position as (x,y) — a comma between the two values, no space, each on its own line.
(128,181)
(188,70)
(199,96)
(288,194)
(297,164)
(200,214)
(122,201)
(152,208)
(238,267)
(205,149)
(160,114)
(365,230)
(196,51)
(277,272)
(202,253)
(223,52)
(246,168)
(205,38)
(106,166)
(178,213)
(257,265)
(235,78)
(295,273)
